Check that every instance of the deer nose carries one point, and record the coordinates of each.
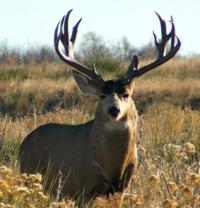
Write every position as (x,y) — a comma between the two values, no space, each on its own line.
(113,111)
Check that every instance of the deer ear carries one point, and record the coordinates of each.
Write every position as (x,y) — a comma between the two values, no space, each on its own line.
(86,85)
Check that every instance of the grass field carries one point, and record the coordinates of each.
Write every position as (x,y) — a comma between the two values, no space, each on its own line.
(168,101)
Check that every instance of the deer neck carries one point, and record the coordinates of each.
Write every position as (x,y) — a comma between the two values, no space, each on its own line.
(114,138)
(106,129)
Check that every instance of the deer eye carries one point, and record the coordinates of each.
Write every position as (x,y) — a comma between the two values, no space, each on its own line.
(102,96)
(125,96)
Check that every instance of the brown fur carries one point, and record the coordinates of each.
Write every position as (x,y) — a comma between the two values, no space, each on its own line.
(93,158)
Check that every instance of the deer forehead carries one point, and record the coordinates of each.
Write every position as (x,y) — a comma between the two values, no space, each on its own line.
(115,86)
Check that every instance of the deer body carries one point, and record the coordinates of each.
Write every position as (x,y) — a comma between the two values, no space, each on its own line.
(97,157)
(92,157)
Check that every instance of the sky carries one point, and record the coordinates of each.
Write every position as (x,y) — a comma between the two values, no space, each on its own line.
(27,23)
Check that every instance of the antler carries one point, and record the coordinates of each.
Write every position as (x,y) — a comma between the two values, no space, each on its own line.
(163,57)
(61,35)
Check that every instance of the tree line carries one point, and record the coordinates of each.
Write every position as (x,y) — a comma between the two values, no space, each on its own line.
(92,49)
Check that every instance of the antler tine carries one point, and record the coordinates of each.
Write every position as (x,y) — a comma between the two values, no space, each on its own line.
(56,40)
(64,31)
(161,46)
(62,38)
(172,33)
(74,32)
(163,57)
(61,35)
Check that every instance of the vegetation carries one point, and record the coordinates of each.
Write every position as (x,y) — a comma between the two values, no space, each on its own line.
(34,92)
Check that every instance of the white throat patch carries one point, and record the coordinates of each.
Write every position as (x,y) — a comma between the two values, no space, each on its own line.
(117,126)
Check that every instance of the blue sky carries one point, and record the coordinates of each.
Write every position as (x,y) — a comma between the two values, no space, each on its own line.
(26,23)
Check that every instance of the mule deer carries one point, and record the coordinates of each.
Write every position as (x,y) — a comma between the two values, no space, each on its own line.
(99,156)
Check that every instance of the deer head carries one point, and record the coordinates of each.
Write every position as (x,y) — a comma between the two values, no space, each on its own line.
(115,95)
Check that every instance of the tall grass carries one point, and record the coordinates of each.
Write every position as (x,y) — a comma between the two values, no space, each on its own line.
(168,173)
(168,155)
(47,86)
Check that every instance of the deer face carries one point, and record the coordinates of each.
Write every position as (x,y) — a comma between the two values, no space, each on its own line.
(116,99)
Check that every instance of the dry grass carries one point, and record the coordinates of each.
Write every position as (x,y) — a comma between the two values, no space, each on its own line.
(44,87)
(168,172)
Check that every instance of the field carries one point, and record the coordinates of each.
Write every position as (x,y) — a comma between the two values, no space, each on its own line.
(168,101)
